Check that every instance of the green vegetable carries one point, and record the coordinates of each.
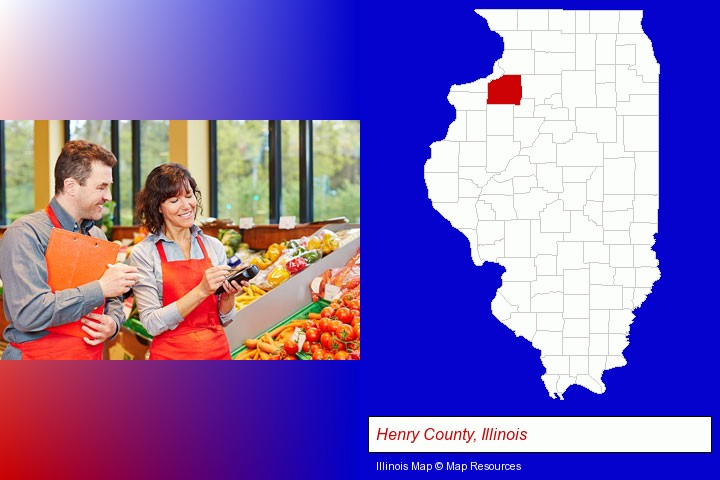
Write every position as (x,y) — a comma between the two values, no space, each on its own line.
(232,239)
(312,256)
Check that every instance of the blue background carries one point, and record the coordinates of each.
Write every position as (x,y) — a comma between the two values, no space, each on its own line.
(430,344)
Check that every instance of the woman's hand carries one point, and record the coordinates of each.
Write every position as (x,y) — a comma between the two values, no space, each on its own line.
(214,277)
(227,299)
(232,289)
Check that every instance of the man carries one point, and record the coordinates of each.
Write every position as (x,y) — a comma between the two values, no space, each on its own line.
(40,316)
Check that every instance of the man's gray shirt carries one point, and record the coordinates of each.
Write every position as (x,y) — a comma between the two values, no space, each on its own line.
(29,303)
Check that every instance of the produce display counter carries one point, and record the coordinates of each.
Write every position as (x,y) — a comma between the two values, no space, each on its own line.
(290,300)
(289,296)
(301,314)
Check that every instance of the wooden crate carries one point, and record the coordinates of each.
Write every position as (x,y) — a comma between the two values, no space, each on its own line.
(127,346)
(261,236)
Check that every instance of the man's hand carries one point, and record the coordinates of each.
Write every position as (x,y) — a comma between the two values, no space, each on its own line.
(118,279)
(98,327)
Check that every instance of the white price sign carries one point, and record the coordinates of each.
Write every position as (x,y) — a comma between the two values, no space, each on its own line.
(298,336)
(246,223)
(331,292)
(287,223)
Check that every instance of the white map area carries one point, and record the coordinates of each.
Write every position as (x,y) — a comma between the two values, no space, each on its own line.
(561,190)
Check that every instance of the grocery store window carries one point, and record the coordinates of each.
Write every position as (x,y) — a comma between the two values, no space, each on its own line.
(290,173)
(101,132)
(154,145)
(242,170)
(95,131)
(139,145)
(281,181)
(336,169)
(16,169)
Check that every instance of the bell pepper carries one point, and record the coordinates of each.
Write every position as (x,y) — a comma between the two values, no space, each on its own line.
(296,265)
(330,243)
(314,243)
(278,275)
(273,252)
(292,244)
(312,256)
(261,262)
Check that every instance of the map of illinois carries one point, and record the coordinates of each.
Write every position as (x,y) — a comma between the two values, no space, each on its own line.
(551,169)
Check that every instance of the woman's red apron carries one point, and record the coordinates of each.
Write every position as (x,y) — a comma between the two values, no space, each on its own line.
(200,336)
(64,342)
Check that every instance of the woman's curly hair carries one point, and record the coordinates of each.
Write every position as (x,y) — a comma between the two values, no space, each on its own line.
(163,182)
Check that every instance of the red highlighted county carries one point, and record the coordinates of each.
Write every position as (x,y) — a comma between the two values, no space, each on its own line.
(506,90)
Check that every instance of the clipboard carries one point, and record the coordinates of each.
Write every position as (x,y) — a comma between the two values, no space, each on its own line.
(73,260)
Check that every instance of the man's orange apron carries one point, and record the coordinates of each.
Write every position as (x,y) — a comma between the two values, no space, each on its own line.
(66,341)
(200,336)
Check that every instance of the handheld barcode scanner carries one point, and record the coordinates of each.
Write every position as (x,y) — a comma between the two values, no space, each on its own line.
(245,273)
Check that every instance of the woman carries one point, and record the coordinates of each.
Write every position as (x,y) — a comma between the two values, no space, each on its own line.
(180,269)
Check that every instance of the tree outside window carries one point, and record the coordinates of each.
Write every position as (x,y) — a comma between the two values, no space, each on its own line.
(336,169)
(154,145)
(242,170)
(19,168)
(95,131)
(290,168)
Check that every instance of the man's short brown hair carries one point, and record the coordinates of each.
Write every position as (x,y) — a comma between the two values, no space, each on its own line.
(76,159)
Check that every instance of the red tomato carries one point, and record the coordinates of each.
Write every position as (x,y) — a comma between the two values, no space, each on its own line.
(312,335)
(353,305)
(344,332)
(336,345)
(308,324)
(328,356)
(343,314)
(323,324)
(291,348)
(314,347)
(306,347)
(356,331)
(355,321)
(325,340)
(341,355)
(291,357)
(356,313)
(318,355)
(327,312)
(334,324)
